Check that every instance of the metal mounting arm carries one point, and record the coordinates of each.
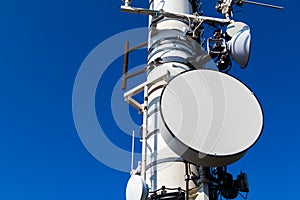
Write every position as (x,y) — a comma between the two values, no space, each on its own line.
(156,13)
(129,94)
(225,6)
(125,75)
(259,4)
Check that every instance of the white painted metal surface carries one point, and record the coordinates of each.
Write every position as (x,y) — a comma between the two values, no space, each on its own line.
(240,46)
(166,39)
(136,188)
(210,118)
(235,27)
(181,6)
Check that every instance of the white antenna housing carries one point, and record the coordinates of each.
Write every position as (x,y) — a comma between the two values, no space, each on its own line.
(136,188)
(210,118)
(240,43)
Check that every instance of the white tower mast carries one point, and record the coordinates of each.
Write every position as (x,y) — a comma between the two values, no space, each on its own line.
(179,159)
(168,52)
(166,174)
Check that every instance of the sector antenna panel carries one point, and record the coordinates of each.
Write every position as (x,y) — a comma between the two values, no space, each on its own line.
(209,118)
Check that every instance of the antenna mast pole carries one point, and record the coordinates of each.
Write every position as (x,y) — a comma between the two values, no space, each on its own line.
(169,48)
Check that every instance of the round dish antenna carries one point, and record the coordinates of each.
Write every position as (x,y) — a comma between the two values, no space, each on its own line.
(209,118)
(136,188)
(240,43)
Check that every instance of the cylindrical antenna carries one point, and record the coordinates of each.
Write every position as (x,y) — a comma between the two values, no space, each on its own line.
(263,4)
(132,151)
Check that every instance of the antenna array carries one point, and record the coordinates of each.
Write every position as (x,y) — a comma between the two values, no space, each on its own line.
(195,121)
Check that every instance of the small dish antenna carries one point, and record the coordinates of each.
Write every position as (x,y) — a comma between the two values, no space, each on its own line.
(240,43)
(136,188)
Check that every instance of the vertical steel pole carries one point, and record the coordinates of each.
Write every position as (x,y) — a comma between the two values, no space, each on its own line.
(144,133)
(168,50)
(132,151)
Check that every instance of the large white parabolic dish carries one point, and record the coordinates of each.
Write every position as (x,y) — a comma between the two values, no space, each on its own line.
(209,118)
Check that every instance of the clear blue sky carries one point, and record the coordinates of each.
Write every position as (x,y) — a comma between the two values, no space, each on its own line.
(42,46)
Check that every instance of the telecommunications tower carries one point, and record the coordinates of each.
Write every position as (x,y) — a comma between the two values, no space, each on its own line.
(196,120)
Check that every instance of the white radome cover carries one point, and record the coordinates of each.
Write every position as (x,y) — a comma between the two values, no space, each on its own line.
(136,188)
(210,118)
(240,45)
